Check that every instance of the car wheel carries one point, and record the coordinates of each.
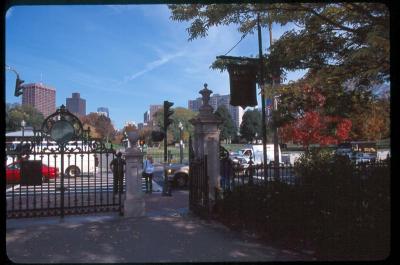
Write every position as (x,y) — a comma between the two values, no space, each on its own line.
(181,180)
(72,172)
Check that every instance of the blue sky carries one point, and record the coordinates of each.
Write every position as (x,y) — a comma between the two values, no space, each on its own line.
(124,57)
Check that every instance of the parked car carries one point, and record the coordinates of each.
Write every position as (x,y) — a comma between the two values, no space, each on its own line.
(178,174)
(239,159)
(13,173)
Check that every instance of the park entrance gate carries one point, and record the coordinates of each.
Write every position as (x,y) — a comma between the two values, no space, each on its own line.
(60,170)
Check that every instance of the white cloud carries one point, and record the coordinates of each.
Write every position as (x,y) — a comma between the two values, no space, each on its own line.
(165,58)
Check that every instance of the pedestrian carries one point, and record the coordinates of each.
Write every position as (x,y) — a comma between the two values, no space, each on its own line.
(148,169)
(117,167)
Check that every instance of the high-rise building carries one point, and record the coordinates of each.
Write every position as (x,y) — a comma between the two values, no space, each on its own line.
(41,97)
(103,111)
(146,117)
(76,104)
(217,100)
(154,109)
(194,105)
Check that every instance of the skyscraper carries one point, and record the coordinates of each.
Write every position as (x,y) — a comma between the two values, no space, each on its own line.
(76,104)
(154,109)
(41,97)
(146,117)
(194,105)
(103,111)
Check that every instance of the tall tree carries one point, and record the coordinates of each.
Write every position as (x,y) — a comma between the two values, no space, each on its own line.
(228,130)
(335,42)
(306,121)
(250,127)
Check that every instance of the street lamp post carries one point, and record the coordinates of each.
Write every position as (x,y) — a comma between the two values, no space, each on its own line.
(23,123)
(180,142)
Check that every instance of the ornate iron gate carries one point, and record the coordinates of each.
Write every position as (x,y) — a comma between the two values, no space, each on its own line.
(60,170)
(198,184)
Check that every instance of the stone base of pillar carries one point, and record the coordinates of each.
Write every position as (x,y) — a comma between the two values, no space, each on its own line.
(134,207)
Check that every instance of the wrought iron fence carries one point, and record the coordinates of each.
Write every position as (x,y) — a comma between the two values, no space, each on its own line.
(234,174)
(45,177)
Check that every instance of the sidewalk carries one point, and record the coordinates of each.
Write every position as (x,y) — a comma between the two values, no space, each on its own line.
(168,233)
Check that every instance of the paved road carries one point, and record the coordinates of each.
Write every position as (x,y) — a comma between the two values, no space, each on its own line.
(168,233)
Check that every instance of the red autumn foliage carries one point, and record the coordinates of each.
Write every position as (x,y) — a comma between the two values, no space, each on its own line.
(313,127)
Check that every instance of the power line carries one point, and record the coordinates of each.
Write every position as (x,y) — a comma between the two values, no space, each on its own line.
(244,35)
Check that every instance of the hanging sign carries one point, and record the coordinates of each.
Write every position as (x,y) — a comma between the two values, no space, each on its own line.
(242,79)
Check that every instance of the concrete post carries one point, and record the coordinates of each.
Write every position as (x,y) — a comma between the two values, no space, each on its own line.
(134,205)
(206,141)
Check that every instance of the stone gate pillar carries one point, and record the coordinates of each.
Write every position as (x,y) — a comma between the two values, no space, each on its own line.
(134,205)
(206,141)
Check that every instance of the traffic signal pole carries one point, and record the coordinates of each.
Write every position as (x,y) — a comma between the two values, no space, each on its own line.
(18,82)
(167,121)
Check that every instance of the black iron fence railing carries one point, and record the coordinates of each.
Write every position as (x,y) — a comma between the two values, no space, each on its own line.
(234,174)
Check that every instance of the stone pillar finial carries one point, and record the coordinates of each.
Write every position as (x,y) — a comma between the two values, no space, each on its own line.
(206,107)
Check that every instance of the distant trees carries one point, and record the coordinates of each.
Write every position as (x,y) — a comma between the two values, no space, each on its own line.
(228,130)
(15,113)
(100,125)
(182,115)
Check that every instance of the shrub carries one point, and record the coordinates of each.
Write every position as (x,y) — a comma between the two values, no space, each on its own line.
(340,207)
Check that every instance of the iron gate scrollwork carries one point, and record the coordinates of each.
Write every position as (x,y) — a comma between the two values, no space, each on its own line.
(76,177)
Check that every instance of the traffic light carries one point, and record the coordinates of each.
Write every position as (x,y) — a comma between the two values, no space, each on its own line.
(167,113)
(18,87)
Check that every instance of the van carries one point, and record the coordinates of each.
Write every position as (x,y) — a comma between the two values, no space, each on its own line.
(256,151)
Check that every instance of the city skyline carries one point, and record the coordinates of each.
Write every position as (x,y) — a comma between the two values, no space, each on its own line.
(125,68)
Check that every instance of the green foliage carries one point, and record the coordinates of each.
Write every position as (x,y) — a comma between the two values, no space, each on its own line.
(15,113)
(182,115)
(228,130)
(251,125)
(335,42)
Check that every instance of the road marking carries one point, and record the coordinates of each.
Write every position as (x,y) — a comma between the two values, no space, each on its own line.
(13,187)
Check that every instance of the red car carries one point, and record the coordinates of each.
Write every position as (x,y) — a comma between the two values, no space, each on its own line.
(13,172)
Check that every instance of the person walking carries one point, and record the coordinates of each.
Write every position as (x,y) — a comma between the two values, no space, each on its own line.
(117,166)
(148,169)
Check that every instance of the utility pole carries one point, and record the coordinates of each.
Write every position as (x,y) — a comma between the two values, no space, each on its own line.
(275,108)
(261,84)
